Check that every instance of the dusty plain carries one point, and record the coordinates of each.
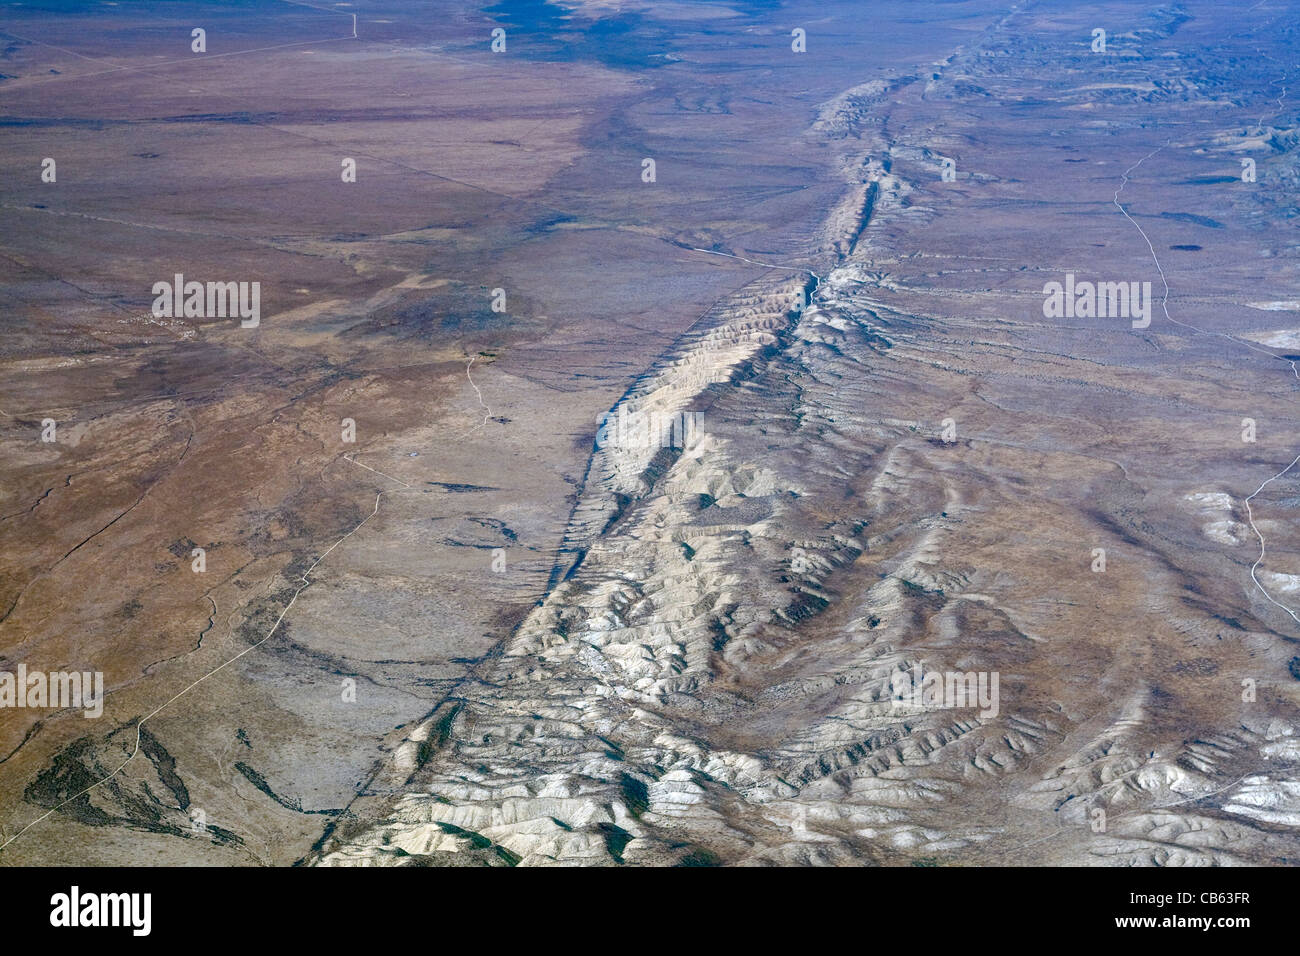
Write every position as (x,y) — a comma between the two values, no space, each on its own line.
(565,652)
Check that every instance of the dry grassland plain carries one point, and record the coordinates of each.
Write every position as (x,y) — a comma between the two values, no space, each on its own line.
(664,435)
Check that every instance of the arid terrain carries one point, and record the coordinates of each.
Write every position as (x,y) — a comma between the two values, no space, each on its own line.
(396,574)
